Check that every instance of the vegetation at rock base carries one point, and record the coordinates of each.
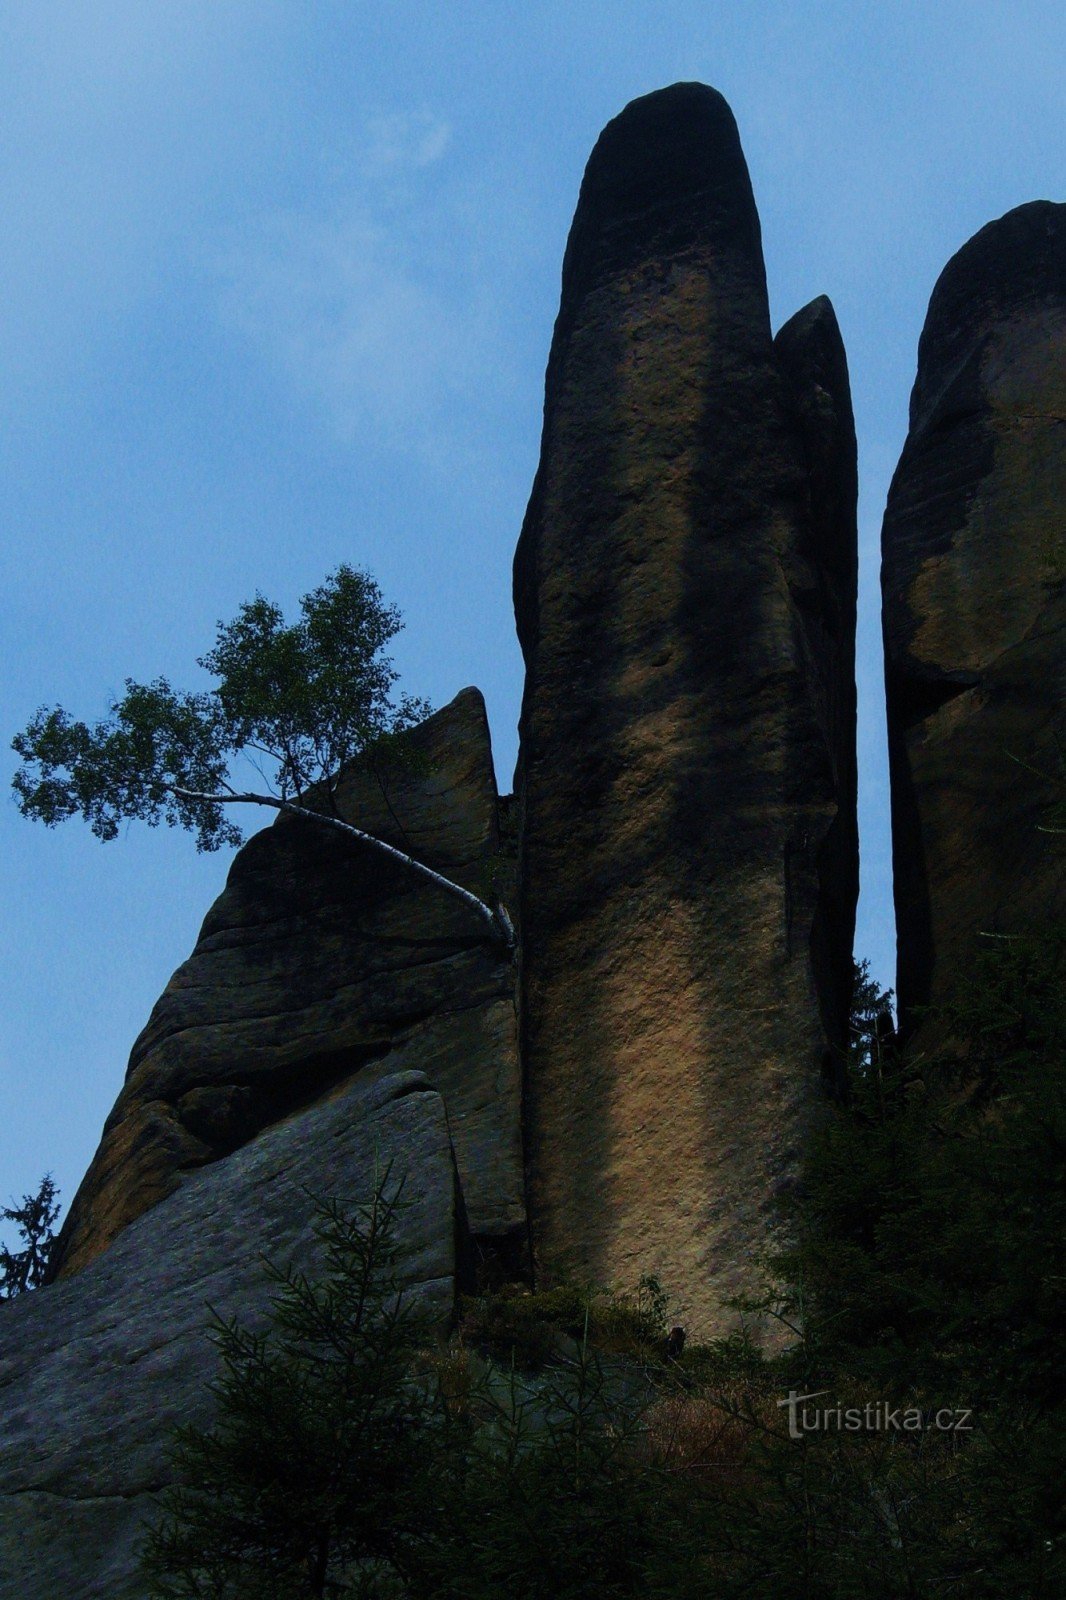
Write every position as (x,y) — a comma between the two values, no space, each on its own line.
(35,1220)
(929,1269)
(530,1329)
(933,1248)
(554,1449)
(350,1456)
(298,701)
(318,1433)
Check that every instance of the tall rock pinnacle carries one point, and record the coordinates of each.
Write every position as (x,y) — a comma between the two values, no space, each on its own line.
(974,570)
(685,596)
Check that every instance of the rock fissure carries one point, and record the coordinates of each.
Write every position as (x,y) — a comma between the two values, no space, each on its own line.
(90,1499)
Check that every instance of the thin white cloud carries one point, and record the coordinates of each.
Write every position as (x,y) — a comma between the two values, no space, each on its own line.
(406,139)
(120,125)
(359,300)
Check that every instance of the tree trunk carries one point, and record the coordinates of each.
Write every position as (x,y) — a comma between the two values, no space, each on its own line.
(498,920)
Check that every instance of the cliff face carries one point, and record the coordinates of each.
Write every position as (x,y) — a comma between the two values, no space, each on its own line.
(685,595)
(321,957)
(974,551)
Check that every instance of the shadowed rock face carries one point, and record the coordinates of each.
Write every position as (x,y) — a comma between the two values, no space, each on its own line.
(810,352)
(974,566)
(96,1371)
(320,957)
(685,593)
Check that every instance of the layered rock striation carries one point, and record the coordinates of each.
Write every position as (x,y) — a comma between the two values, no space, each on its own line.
(321,957)
(974,569)
(685,599)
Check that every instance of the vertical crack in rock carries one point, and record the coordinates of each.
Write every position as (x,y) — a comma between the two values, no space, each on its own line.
(685,593)
(974,566)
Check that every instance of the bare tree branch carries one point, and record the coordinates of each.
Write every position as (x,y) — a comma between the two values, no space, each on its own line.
(499,920)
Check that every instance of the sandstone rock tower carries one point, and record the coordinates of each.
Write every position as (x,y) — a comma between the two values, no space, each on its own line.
(974,575)
(319,960)
(685,596)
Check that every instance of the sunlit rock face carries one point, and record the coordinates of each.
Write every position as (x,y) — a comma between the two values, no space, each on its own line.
(974,567)
(321,957)
(685,597)
(97,1370)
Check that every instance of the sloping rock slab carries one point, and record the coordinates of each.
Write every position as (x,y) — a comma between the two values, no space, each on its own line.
(323,955)
(96,1370)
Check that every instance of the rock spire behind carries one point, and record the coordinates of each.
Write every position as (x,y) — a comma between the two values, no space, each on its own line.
(685,597)
(974,572)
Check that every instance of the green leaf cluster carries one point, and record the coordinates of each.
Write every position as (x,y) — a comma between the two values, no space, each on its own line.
(299,700)
(929,1268)
(129,764)
(309,696)
(933,1243)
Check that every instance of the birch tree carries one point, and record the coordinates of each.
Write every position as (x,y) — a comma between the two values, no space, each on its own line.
(297,702)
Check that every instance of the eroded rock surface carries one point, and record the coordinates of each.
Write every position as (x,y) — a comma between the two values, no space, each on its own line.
(320,957)
(98,1369)
(974,568)
(685,593)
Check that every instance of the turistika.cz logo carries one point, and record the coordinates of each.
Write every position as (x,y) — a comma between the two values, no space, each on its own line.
(876,1416)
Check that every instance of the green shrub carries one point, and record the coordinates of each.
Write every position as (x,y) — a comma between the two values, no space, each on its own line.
(533,1327)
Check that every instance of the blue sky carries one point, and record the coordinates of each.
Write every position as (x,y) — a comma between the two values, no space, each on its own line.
(277,284)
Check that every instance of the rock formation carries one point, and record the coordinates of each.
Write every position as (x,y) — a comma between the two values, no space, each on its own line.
(974,552)
(685,589)
(97,1370)
(320,957)
(685,597)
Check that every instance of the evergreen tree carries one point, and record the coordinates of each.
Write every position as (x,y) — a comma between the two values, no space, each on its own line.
(929,1264)
(35,1220)
(554,1495)
(307,1482)
(347,1459)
